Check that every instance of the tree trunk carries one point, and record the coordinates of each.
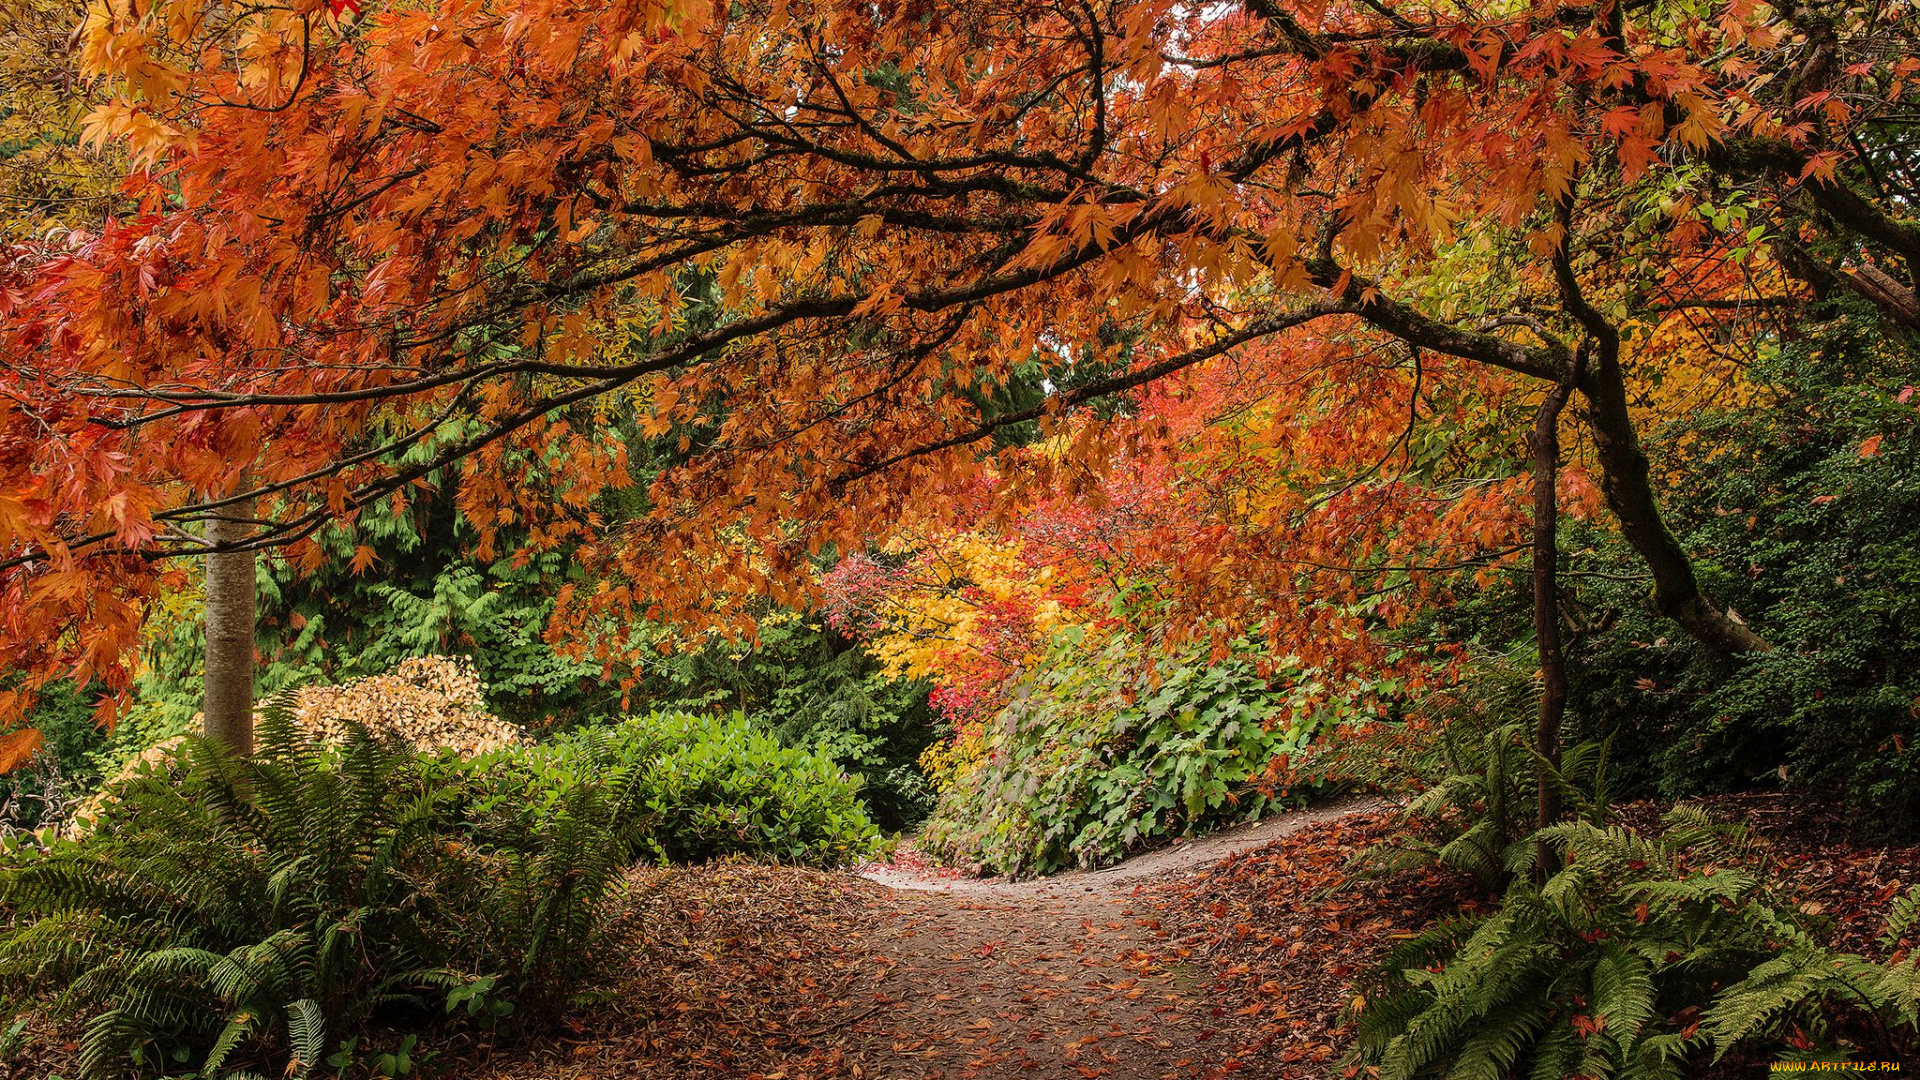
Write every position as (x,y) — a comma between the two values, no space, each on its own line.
(1546,605)
(1629,492)
(1625,474)
(230,632)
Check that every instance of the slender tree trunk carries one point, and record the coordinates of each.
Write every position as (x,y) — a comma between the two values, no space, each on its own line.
(1546,602)
(230,632)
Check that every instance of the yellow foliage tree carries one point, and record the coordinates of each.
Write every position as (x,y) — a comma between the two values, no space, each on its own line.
(49,177)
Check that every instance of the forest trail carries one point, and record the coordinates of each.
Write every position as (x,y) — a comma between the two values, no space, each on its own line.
(1068,976)
(1181,856)
(741,971)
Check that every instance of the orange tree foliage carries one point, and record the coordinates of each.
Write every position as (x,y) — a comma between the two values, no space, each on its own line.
(805,239)
(1313,516)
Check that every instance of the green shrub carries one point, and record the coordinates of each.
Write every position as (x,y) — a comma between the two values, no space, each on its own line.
(1099,754)
(1638,958)
(700,787)
(815,689)
(227,913)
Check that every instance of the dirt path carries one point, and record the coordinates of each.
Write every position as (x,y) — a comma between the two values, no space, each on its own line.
(1066,976)
(1179,857)
(1039,986)
(734,971)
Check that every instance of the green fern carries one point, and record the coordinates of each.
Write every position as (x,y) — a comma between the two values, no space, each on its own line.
(1473,775)
(1902,918)
(233,912)
(1592,971)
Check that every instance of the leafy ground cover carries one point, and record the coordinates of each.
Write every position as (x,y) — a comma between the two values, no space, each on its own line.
(1288,928)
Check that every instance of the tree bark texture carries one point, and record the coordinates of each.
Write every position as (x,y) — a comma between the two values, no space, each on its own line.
(230,604)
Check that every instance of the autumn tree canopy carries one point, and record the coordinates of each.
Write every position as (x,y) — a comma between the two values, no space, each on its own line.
(803,241)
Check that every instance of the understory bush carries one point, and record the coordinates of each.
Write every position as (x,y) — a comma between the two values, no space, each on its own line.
(1641,957)
(1100,753)
(700,787)
(230,916)
(813,688)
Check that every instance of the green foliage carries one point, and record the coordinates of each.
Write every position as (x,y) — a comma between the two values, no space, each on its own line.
(697,787)
(1638,959)
(66,767)
(1100,753)
(425,594)
(496,613)
(1470,774)
(815,690)
(226,914)
(1806,528)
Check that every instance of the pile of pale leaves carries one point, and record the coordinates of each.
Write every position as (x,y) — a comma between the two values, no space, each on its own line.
(430,702)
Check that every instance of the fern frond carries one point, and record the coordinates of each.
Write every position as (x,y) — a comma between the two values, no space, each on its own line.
(1659,1057)
(239,1027)
(1894,990)
(1557,1054)
(1623,990)
(307,1031)
(1902,917)
(1501,1035)
(1772,988)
